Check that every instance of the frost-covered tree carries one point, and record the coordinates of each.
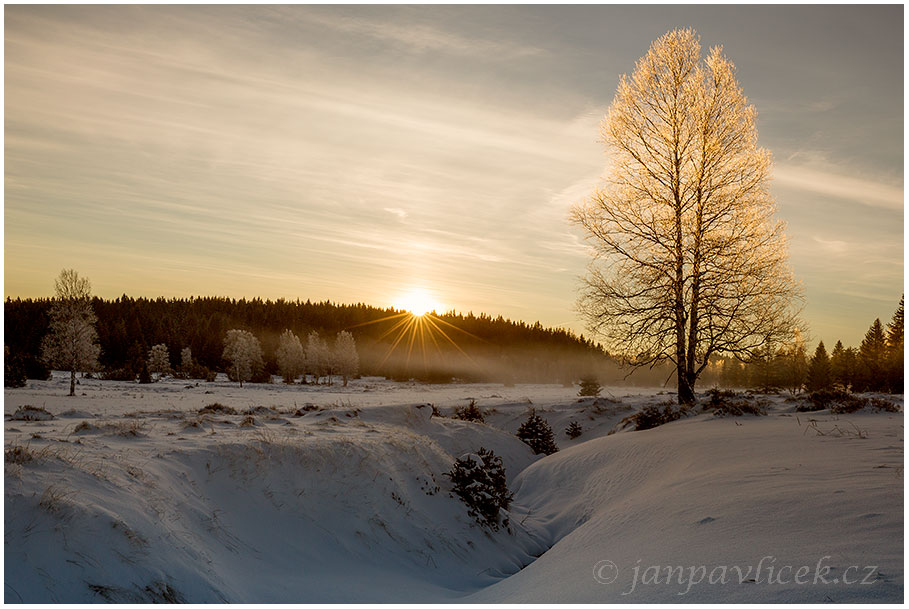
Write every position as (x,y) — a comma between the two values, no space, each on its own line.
(346,359)
(186,362)
(290,356)
(243,353)
(72,341)
(318,356)
(689,259)
(159,360)
(819,369)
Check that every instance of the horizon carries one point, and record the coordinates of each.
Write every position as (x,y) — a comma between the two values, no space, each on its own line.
(417,157)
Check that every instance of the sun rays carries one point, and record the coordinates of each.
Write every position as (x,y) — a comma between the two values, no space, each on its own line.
(419,332)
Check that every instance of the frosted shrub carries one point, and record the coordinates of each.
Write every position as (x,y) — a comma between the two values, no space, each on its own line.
(479,481)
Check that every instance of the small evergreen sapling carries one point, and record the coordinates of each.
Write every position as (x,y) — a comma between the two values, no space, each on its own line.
(589,387)
(536,433)
(471,412)
(574,430)
(479,481)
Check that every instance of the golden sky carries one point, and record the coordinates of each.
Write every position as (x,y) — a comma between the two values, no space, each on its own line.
(360,154)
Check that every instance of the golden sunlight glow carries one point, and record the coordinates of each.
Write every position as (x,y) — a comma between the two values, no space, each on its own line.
(418,302)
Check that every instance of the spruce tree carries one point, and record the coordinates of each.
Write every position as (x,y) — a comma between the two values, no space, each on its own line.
(839,371)
(819,369)
(894,357)
(872,355)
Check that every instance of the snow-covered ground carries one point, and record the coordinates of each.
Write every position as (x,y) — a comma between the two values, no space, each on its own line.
(339,494)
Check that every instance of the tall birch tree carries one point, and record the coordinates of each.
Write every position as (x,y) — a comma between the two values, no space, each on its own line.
(689,260)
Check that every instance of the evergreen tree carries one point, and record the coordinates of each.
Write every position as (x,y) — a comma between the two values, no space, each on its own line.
(872,358)
(819,377)
(894,358)
(536,433)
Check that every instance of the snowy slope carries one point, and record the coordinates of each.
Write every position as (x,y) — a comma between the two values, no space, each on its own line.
(131,495)
(719,492)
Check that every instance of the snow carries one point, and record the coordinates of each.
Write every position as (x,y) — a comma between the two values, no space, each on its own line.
(131,495)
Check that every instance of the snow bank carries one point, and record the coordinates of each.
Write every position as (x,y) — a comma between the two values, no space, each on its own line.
(719,493)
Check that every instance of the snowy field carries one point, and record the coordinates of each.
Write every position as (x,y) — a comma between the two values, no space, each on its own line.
(326,494)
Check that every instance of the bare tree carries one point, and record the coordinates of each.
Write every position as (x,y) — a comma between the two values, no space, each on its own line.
(72,341)
(346,359)
(243,352)
(689,260)
(290,356)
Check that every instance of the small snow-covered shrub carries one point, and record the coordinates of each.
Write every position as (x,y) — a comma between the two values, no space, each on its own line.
(118,374)
(479,481)
(589,387)
(471,412)
(654,416)
(574,430)
(217,408)
(31,413)
(729,404)
(885,405)
(536,433)
(19,455)
(839,402)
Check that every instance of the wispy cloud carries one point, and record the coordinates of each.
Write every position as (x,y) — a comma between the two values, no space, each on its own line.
(832,182)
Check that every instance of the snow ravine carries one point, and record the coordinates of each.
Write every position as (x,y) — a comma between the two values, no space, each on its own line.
(128,494)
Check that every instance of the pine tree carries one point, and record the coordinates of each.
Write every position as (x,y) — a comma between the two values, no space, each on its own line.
(72,341)
(872,356)
(894,357)
(819,369)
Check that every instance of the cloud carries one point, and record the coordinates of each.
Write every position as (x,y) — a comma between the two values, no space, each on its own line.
(832,182)
(397,211)
(421,37)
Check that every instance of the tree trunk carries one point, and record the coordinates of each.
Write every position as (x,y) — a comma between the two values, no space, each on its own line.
(72,382)
(345,380)
(686,387)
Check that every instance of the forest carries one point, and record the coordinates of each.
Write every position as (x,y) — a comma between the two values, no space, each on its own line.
(452,345)
(473,348)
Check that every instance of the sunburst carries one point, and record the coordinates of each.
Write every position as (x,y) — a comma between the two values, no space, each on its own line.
(419,328)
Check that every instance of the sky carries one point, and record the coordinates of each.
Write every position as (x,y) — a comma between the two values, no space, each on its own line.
(370,153)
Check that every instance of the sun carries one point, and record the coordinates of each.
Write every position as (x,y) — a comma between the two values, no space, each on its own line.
(418,302)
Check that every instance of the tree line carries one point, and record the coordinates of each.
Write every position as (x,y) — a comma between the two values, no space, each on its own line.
(875,365)
(187,336)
